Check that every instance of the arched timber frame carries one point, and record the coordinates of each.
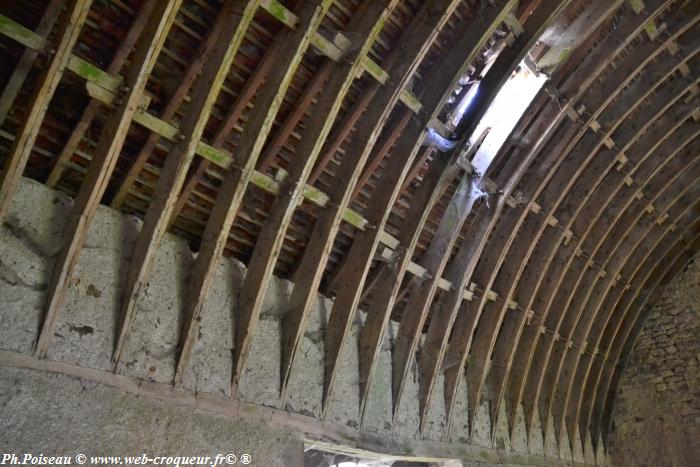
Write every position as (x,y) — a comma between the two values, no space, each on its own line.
(291,137)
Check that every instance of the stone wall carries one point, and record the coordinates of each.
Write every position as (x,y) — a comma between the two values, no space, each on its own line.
(656,420)
(84,338)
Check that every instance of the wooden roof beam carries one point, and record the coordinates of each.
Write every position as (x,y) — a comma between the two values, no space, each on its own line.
(106,154)
(656,175)
(67,36)
(125,48)
(591,67)
(565,176)
(575,318)
(230,27)
(24,66)
(231,194)
(627,133)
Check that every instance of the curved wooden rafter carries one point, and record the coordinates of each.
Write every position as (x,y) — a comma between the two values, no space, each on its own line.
(580,370)
(108,148)
(629,142)
(662,177)
(545,346)
(466,321)
(541,302)
(402,62)
(611,373)
(528,302)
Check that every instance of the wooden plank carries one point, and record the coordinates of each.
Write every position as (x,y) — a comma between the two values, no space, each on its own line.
(24,66)
(230,195)
(110,84)
(125,48)
(390,277)
(366,24)
(108,148)
(230,27)
(16,160)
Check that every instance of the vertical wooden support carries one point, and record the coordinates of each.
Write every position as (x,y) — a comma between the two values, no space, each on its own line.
(108,148)
(61,163)
(366,25)
(230,28)
(24,66)
(234,186)
(16,160)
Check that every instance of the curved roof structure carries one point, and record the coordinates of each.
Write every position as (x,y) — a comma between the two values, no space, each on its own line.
(291,135)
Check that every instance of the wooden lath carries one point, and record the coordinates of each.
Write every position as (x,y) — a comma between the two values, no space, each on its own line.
(24,66)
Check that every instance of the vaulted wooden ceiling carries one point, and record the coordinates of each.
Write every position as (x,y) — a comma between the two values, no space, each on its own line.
(289,134)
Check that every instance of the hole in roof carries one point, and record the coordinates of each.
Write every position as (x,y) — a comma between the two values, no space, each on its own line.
(503,114)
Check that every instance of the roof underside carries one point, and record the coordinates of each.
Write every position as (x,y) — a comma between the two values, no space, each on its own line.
(289,136)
